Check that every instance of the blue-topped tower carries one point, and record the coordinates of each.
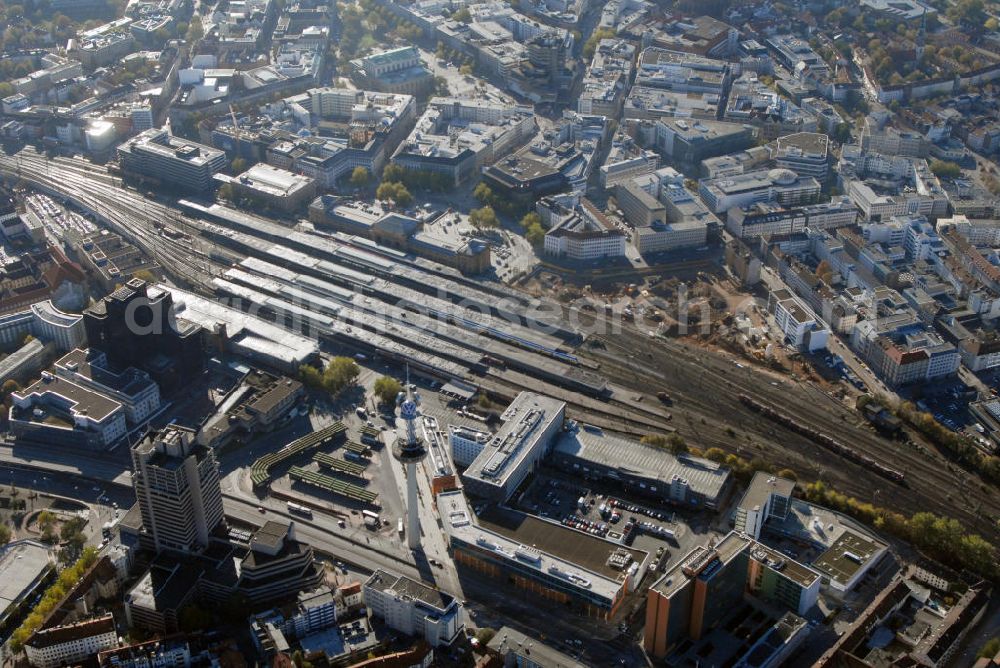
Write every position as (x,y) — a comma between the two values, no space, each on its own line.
(409,449)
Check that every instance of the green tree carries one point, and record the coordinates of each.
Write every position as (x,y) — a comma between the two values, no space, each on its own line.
(483,193)
(239,165)
(395,192)
(360,177)
(462,15)
(8,387)
(673,443)
(483,218)
(590,46)
(989,649)
(484,635)
(535,234)
(972,12)
(387,388)
(529,219)
(465,70)
(195,30)
(945,169)
(46,519)
(5,534)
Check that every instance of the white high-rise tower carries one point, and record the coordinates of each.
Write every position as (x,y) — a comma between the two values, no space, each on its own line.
(409,449)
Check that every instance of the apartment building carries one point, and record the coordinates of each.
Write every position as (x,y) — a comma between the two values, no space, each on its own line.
(70,644)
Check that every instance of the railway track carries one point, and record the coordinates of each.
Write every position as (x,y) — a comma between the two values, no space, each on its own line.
(707,386)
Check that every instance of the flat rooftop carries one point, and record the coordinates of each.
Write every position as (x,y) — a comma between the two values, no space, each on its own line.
(762,487)
(81,401)
(700,560)
(407,588)
(508,640)
(849,553)
(574,546)
(527,418)
(789,568)
(592,444)
(508,538)
(22,563)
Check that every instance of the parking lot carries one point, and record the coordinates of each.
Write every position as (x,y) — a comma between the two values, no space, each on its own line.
(658,530)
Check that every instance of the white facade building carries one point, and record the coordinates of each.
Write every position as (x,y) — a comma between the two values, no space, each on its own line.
(72,643)
(413,608)
(466,444)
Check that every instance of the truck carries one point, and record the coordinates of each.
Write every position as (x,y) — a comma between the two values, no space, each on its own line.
(399,527)
(665,398)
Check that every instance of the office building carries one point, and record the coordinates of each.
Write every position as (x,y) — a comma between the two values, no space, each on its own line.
(172,652)
(607,79)
(801,328)
(456,137)
(578,572)
(398,70)
(688,142)
(584,233)
(274,188)
(679,479)
(764,219)
(56,411)
(176,483)
(413,608)
(767,496)
(45,322)
(135,326)
(466,443)
(157,157)
(132,388)
(805,153)
(681,72)
(278,567)
(70,644)
(901,350)
(667,237)
(767,185)
(641,209)
(778,644)
(529,425)
(626,161)
(696,594)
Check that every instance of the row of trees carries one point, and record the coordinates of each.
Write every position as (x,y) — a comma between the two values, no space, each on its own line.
(339,374)
(485,195)
(941,538)
(52,597)
(418,179)
(960,446)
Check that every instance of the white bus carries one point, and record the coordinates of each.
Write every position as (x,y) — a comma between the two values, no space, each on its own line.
(297,509)
(399,527)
